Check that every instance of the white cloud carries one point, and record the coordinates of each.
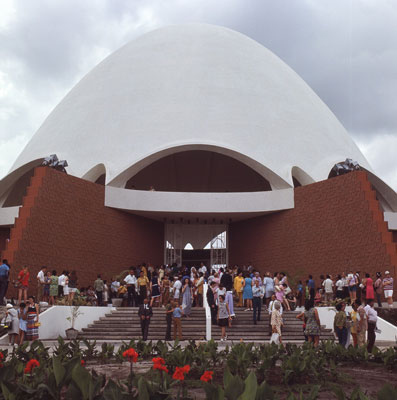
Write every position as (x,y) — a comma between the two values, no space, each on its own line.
(380,151)
(345,50)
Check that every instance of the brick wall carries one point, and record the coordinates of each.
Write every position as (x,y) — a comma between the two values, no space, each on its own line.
(336,226)
(4,235)
(64,224)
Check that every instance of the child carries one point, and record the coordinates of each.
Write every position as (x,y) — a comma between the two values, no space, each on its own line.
(223,316)
(317,297)
(22,322)
(177,317)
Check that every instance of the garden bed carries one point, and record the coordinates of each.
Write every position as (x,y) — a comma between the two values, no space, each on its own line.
(139,370)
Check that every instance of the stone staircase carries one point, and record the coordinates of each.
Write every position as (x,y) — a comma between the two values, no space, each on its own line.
(123,324)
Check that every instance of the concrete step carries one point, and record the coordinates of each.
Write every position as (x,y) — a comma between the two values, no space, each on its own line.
(124,324)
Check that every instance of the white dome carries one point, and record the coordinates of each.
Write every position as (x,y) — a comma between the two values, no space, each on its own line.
(189,87)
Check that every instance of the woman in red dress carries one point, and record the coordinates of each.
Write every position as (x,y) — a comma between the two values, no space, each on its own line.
(369,288)
(23,283)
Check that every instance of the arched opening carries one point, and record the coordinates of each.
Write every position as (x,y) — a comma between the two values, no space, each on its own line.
(96,174)
(101,180)
(198,171)
(18,190)
(296,182)
(300,177)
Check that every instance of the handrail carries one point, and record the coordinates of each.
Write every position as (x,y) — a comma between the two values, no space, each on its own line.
(208,322)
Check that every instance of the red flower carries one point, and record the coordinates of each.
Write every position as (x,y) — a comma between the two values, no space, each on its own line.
(1,356)
(159,363)
(186,369)
(31,365)
(180,372)
(82,362)
(158,360)
(207,376)
(131,354)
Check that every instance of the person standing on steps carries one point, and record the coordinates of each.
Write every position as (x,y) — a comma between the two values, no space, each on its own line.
(187,297)
(378,288)
(247,292)
(177,314)
(372,319)
(131,282)
(211,303)
(223,316)
(388,288)
(312,287)
(145,312)
(362,325)
(99,286)
(312,320)
(257,296)
(4,273)
(238,288)
(40,283)
(269,288)
(276,321)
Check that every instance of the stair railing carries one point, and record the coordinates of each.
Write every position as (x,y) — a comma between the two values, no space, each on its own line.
(208,323)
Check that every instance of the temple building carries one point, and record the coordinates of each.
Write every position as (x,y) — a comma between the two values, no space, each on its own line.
(194,143)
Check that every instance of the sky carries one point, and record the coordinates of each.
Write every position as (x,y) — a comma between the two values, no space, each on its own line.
(346,50)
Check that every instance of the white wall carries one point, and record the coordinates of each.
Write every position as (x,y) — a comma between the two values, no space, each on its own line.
(54,323)
(182,202)
(8,215)
(389,331)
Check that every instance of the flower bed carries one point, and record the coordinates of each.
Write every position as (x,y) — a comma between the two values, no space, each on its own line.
(140,370)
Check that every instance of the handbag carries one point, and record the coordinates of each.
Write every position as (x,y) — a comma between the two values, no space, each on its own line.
(275,338)
(6,323)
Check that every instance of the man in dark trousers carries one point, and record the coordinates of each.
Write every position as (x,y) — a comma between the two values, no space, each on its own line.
(227,280)
(145,312)
(211,303)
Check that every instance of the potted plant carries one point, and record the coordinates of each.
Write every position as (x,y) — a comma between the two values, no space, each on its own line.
(72,333)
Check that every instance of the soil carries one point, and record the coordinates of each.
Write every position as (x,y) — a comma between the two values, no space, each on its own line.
(369,378)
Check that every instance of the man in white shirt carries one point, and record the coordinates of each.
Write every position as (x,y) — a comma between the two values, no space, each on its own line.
(131,282)
(61,283)
(328,289)
(203,269)
(372,318)
(40,283)
(176,287)
(114,287)
(339,288)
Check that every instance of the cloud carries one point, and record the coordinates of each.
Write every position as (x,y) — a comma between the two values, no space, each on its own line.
(345,50)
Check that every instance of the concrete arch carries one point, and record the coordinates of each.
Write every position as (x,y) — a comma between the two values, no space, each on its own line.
(275,180)
(10,181)
(95,173)
(301,176)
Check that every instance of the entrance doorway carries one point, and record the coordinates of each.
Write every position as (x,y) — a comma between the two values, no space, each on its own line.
(206,243)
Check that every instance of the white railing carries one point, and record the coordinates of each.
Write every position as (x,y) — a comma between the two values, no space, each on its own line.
(208,322)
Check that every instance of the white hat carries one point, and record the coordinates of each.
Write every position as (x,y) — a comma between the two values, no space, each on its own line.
(387,272)
(9,305)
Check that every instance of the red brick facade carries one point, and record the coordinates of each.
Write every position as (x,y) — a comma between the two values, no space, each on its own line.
(4,235)
(64,224)
(336,226)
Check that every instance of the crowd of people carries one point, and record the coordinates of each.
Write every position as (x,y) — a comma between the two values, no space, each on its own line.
(179,288)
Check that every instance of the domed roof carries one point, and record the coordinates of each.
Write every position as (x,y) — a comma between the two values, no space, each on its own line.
(193,86)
